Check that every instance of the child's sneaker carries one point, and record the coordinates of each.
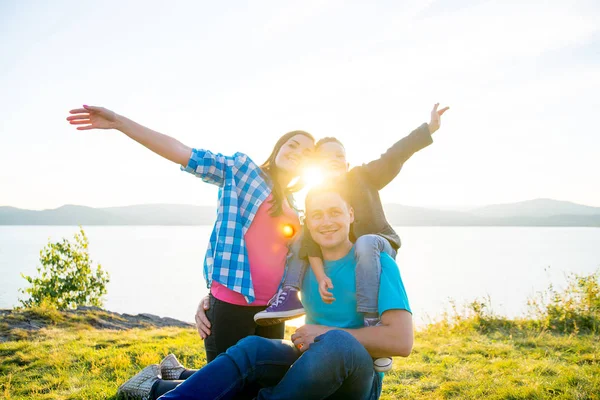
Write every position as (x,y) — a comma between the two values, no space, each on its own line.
(283,306)
(383,364)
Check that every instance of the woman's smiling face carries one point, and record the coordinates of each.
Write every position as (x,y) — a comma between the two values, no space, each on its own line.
(293,153)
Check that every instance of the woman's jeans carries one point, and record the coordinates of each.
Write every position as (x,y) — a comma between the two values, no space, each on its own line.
(367,250)
(336,366)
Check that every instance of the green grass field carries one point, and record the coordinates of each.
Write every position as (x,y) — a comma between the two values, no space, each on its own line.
(70,360)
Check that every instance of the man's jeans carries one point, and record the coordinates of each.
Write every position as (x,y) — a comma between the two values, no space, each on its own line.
(367,251)
(336,366)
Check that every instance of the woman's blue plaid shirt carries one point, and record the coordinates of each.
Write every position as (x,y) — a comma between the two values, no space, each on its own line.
(242,189)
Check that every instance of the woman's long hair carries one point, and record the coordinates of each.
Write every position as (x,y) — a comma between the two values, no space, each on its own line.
(272,172)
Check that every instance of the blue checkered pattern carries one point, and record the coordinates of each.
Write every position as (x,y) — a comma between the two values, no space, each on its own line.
(242,189)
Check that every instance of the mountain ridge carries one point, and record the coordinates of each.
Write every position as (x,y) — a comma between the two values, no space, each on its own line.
(536,212)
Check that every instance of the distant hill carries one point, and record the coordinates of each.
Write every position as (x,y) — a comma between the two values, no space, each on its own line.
(535,208)
(146,214)
(539,212)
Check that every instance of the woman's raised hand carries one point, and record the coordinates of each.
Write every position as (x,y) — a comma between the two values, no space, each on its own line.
(93,118)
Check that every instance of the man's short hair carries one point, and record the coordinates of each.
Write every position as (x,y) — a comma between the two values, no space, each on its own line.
(336,186)
(328,140)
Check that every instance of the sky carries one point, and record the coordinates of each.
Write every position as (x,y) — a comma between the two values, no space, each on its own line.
(521,78)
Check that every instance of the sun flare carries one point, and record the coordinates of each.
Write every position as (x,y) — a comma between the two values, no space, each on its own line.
(313,176)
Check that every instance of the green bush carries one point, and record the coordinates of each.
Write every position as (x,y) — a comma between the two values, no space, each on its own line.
(571,310)
(66,278)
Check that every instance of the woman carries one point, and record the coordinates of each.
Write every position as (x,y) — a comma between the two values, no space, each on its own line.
(246,254)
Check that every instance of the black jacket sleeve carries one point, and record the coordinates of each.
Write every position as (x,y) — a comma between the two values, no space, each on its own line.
(382,171)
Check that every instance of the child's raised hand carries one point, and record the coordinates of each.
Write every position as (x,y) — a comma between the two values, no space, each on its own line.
(324,286)
(436,120)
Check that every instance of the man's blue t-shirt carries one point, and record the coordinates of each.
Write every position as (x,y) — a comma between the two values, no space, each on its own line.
(342,312)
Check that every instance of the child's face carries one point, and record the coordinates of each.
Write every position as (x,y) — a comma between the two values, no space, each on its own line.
(332,158)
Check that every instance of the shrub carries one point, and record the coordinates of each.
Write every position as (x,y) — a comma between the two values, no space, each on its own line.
(571,310)
(66,278)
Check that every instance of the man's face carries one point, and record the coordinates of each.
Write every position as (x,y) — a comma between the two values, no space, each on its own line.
(332,158)
(328,218)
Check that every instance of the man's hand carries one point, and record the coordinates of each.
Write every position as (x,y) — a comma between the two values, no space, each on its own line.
(324,285)
(436,120)
(202,323)
(306,334)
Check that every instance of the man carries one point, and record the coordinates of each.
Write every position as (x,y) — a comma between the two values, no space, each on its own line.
(330,356)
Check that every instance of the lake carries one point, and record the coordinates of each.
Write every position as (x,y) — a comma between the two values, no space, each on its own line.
(158,269)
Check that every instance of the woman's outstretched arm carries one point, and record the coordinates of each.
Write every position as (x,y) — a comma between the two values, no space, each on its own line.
(90,117)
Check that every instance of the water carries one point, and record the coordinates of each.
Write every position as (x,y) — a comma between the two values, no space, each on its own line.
(158,270)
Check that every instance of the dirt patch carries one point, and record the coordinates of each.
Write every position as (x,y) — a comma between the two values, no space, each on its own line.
(21,324)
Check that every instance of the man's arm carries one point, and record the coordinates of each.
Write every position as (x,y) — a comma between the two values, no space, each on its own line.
(394,337)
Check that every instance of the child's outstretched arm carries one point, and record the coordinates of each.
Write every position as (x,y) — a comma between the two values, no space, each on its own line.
(316,263)
(101,118)
(384,169)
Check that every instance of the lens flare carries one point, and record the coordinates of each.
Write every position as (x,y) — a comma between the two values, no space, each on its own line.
(288,231)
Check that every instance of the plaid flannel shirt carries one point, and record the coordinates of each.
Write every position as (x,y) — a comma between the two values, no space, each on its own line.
(242,189)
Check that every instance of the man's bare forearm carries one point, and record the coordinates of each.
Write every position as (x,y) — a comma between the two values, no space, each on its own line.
(393,338)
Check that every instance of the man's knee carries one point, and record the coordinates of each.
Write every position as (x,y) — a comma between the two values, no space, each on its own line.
(343,347)
(342,340)
(259,348)
(251,345)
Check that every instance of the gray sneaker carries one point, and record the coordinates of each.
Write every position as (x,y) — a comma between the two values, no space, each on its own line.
(171,368)
(140,386)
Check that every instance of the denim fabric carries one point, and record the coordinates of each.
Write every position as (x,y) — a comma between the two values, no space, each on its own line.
(295,266)
(336,366)
(367,252)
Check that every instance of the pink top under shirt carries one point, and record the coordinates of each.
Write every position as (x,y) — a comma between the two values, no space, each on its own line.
(267,249)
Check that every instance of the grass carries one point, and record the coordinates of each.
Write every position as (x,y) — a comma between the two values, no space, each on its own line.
(468,354)
(72,361)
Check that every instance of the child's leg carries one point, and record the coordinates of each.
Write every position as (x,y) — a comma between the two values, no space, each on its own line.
(295,267)
(368,271)
(368,251)
(286,305)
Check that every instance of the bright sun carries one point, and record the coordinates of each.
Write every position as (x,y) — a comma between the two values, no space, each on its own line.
(313,176)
